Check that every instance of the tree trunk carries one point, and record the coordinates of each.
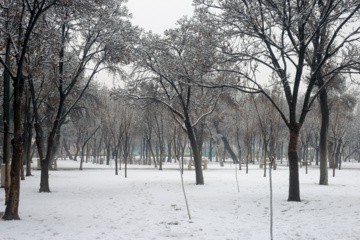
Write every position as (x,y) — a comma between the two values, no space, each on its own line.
(28,152)
(226,142)
(77,145)
(55,148)
(12,208)
(337,154)
(116,161)
(67,150)
(82,157)
(27,135)
(44,179)
(169,152)
(152,153)
(281,152)
(108,151)
(294,186)
(323,138)
(197,158)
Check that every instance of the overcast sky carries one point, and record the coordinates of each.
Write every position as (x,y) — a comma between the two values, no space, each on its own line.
(159,15)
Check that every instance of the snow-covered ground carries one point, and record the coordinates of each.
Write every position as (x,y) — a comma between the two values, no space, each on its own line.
(96,204)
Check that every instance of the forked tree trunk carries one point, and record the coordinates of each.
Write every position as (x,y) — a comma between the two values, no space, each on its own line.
(294,186)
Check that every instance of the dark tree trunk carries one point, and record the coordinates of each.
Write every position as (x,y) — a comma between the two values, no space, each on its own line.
(12,208)
(55,148)
(28,153)
(108,153)
(197,157)
(27,135)
(44,179)
(294,186)
(169,152)
(323,138)
(116,162)
(11,211)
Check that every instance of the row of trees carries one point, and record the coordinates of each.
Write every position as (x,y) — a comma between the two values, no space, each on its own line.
(234,62)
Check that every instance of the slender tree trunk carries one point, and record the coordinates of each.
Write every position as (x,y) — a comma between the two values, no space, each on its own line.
(82,157)
(306,155)
(281,152)
(324,138)
(247,157)
(126,153)
(338,153)
(108,153)
(28,151)
(116,162)
(169,152)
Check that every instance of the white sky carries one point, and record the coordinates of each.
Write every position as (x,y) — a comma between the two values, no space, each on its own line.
(159,15)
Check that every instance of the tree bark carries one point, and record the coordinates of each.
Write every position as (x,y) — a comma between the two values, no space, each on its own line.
(324,138)
(12,208)
(28,153)
(44,179)
(169,152)
(197,157)
(294,186)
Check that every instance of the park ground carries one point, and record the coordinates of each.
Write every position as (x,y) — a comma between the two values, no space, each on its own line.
(149,204)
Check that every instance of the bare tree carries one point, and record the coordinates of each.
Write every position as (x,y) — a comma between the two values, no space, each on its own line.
(163,71)
(278,36)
